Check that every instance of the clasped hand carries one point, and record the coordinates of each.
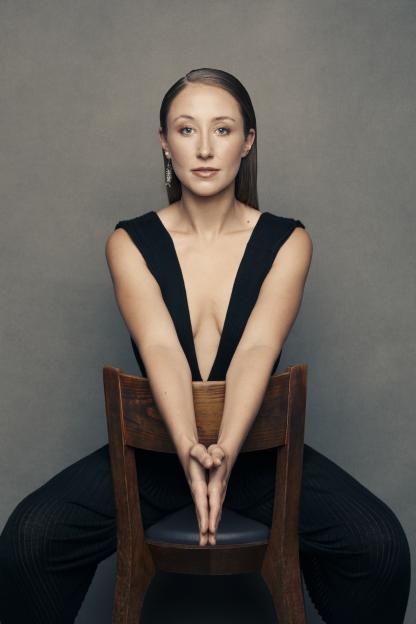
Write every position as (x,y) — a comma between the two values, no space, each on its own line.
(208,494)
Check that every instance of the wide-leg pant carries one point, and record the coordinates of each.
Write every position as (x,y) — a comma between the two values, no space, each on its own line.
(354,553)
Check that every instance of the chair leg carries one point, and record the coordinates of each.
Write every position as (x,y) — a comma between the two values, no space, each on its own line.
(286,589)
(134,575)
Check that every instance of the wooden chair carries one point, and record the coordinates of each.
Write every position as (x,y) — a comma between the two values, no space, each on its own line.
(172,544)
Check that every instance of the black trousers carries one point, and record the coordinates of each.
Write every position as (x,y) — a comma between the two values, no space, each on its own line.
(354,553)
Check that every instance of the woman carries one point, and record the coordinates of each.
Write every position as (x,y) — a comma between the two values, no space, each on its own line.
(209,288)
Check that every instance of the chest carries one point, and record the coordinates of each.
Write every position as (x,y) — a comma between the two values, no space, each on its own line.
(204,289)
(209,275)
(209,291)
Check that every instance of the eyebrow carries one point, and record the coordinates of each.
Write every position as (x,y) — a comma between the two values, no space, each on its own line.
(213,119)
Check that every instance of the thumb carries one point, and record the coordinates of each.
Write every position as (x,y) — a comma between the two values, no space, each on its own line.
(200,453)
(217,453)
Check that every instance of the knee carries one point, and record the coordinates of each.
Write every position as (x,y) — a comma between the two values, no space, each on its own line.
(23,540)
(399,545)
(386,544)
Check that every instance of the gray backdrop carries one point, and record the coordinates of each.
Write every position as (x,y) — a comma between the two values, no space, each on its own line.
(333,86)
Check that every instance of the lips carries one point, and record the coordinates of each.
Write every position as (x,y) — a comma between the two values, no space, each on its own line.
(205,169)
(205,173)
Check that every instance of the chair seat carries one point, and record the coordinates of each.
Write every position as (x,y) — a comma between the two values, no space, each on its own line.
(181,527)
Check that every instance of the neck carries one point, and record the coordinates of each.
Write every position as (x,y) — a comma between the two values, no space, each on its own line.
(209,216)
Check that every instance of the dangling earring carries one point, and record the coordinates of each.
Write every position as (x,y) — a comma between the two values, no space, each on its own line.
(168,172)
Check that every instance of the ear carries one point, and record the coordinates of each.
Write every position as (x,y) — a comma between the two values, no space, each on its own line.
(163,141)
(251,135)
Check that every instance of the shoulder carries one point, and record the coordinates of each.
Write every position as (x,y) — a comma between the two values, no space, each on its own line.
(286,232)
(133,228)
(135,224)
(290,244)
(129,236)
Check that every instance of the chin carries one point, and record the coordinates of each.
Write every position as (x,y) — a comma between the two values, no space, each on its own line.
(207,191)
(207,187)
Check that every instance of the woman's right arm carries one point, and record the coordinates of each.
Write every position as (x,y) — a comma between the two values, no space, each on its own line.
(148,320)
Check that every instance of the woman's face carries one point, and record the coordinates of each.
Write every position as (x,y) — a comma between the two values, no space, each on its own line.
(205,129)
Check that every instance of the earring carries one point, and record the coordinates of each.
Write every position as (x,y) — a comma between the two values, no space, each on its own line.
(168,172)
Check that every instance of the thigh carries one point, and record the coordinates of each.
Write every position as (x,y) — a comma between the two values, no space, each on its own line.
(79,501)
(54,539)
(85,485)
(162,481)
(252,482)
(335,508)
(338,513)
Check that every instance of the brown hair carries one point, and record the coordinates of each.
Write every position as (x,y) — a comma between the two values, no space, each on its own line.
(246,178)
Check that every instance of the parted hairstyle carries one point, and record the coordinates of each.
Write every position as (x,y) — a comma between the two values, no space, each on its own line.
(246,178)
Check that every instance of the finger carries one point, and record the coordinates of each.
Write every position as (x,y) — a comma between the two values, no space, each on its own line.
(217,454)
(201,504)
(214,510)
(213,534)
(203,529)
(200,453)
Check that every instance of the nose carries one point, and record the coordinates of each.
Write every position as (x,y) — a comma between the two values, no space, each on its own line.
(204,146)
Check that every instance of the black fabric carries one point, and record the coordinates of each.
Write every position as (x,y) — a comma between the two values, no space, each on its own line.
(157,248)
(354,554)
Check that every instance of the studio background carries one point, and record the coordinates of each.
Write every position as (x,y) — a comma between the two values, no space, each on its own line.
(333,87)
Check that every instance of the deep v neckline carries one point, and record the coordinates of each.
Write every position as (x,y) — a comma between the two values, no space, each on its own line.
(184,296)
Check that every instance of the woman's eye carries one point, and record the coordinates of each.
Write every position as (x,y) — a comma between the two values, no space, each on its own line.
(227,131)
(186,128)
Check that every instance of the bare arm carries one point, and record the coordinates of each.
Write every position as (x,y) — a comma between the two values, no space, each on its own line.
(142,307)
(269,323)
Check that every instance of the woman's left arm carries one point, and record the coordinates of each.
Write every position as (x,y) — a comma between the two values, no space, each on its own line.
(266,330)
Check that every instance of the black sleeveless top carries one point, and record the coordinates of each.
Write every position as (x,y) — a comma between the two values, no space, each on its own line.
(161,477)
(157,248)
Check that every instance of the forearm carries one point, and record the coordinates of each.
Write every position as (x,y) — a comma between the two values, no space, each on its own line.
(246,382)
(171,383)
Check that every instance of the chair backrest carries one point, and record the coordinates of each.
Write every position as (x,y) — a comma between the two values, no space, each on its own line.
(133,418)
(133,421)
